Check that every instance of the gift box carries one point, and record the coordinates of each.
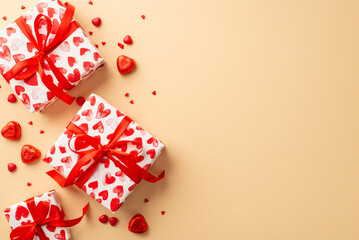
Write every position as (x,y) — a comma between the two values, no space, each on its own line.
(40,218)
(104,152)
(45,53)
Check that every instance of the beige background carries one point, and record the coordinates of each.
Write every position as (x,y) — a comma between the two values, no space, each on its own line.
(257,105)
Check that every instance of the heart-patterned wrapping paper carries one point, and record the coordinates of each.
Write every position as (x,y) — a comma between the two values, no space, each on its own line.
(108,184)
(76,57)
(19,213)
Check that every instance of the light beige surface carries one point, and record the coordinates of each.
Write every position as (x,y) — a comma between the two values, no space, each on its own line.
(258,106)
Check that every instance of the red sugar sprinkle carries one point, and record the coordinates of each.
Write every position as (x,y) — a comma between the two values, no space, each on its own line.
(90,2)
(127,94)
(96,45)
(22,7)
(80,101)
(143,16)
(42,131)
(5,18)
(113,221)
(103,218)
(30,123)
(121,45)
(146,200)
(90,33)
(11,167)
(163,212)
(11,98)
(103,43)
(131,102)
(127,39)
(29,184)
(96,21)
(154,93)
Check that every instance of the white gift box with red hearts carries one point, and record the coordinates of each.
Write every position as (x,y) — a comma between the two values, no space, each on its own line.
(108,184)
(19,213)
(76,57)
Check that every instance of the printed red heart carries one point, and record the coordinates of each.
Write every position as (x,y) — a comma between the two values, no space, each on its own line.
(29,153)
(11,130)
(105,162)
(131,187)
(103,218)
(98,126)
(62,70)
(75,76)
(4,68)
(2,41)
(26,100)
(101,112)
(83,51)
(96,21)
(60,169)
(92,100)
(6,54)
(61,236)
(10,31)
(18,57)
(138,142)
(151,153)
(88,114)
(50,95)
(88,65)
(55,26)
(40,6)
(103,194)
(50,228)
(129,131)
(54,57)
(32,81)
(93,185)
(84,127)
(62,149)
(115,204)
(30,47)
(138,224)
(47,159)
(125,64)
(96,56)
(119,191)
(113,221)
(21,212)
(78,40)
(51,11)
(71,61)
(109,179)
(76,118)
(65,46)
(67,160)
(119,114)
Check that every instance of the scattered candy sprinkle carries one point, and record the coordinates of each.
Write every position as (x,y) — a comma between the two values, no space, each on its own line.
(90,2)
(131,102)
(143,16)
(154,93)
(121,45)
(127,94)
(127,39)
(96,21)
(103,218)
(163,212)
(29,184)
(146,200)
(30,123)
(90,33)
(42,131)
(113,221)
(80,101)
(103,43)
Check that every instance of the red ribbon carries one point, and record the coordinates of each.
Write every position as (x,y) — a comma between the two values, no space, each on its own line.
(40,214)
(124,161)
(26,68)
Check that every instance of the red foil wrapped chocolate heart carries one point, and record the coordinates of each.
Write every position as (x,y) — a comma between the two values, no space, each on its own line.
(138,224)
(11,130)
(125,64)
(29,153)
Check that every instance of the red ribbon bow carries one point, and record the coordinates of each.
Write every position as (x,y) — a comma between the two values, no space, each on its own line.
(43,214)
(26,68)
(124,161)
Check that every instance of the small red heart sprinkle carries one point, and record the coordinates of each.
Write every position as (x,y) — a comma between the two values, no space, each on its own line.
(143,16)
(11,98)
(103,218)
(29,184)
(127,94)
(146,200)
(163,212)
(90,2)
(90,33)
(5,18)
(131,102)
(96,21)
(12,130)
(30,123)
(125,64)
(80,101)
(138,224)
(29,153)
(22,7)
(113,221)
(96,45)
(127,39)
(154,93)
(11,167)
(42,132)
(103,43)
(121,45)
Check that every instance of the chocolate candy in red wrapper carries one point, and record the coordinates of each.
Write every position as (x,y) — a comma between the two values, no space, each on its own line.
(11,130)
(125,64)
(138,224)
(29,153)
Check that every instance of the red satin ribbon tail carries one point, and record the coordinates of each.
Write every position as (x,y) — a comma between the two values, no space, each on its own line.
(71,222)
(57,177)
(24,232)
